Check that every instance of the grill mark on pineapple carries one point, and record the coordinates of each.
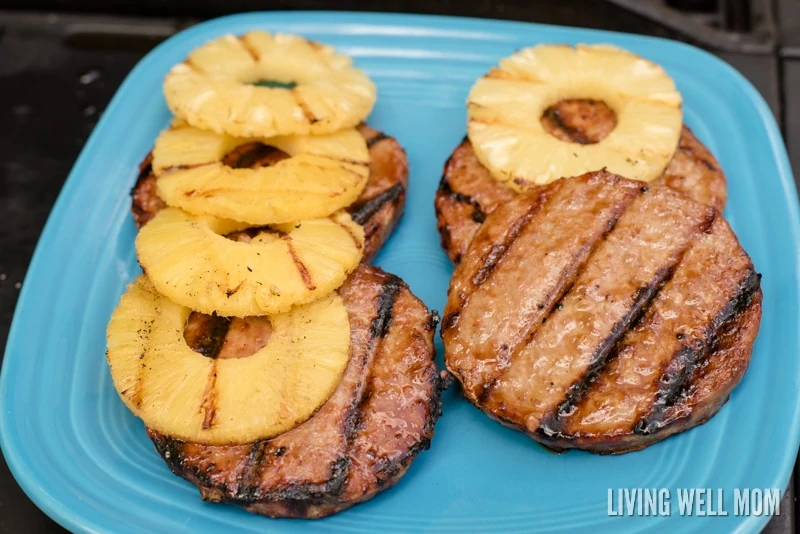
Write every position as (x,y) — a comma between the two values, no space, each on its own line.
(209,405)
(249,49)
(301,268)
(136,391)
(353,236)
(192,65)
(351,161)
(232,291)
(307,113)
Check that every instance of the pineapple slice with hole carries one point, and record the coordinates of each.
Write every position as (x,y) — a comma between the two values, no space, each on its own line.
(505,107)
(263,85)
(189,259)
(189,396)
(314,176)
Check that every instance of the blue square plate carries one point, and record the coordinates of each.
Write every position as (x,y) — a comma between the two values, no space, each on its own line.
(85,460)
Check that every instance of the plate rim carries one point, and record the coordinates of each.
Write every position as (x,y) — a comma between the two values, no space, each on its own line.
(44,497)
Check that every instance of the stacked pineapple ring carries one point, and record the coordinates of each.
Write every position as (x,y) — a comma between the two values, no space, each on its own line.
(271,242)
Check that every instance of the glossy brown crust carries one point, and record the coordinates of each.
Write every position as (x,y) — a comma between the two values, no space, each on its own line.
(378,209)
(361,441)
(601,313)
(468,193)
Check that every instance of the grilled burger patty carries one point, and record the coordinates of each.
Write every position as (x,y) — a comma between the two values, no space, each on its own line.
(377,209)
(468,193)
(601,313)
(360,442)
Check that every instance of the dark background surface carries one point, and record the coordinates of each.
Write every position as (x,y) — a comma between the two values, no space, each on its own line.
(61,61)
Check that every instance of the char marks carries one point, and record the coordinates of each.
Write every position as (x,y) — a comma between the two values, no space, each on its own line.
(251,50)
(485,285)
(360,441)
(254,155)
(386,300)
(590,325)
(497,252)
(363,211)
(354,237)
(677,375)
(629,263)
(652,364)
(461,198)
(301,267)
(380,136)
(575,135)
(209,406)
(206,333)
(693,171)
(307,113)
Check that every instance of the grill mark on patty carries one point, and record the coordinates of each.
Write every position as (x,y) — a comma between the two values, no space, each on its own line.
(365,210)
(496,254)
(250,475)
(376,139)
(251,472)
(253,155)
(379,326)
(562,289)
(478,213)
(386,469)
(553,300)
(576,135)
(676,378)
(206,333)
(552,423)
(301,267)
(300,497)
(209,406)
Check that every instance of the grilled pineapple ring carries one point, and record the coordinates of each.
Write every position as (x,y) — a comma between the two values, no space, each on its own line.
(315,91)
(189,260)
(321,175)
(505,106)
(184,394)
